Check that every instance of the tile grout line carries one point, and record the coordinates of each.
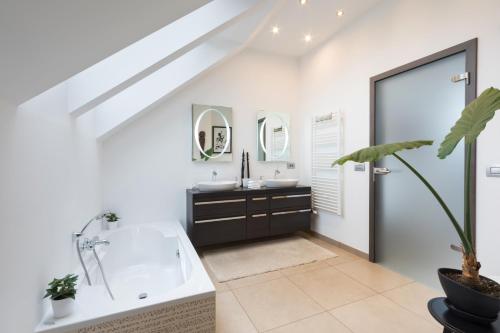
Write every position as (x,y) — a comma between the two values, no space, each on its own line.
(305,293)
(255,283)
(293,322)
(341,322)
(357,281)
(394,288)
(340,306)
(383,291)
(408,309)
(245,311)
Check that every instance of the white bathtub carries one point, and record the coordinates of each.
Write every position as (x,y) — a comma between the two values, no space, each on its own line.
(154,259)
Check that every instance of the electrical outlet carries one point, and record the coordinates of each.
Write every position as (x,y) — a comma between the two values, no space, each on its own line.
(290,165)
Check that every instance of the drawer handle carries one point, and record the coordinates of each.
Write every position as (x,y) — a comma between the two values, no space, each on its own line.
(293,212)
(201,203)
(292,196)
(259,215)
(222,219)
(259,199)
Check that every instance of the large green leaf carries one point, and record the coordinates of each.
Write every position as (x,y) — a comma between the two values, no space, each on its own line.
(474,118)
(375,153)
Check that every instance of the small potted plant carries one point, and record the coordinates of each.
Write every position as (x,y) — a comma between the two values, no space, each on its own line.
(62,295)
(111,220)
(469,294)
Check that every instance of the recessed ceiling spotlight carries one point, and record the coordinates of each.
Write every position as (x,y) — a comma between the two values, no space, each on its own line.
(307,38)
(303,2)
(340,12)
(275,30)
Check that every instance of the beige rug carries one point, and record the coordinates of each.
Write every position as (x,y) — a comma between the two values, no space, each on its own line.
(240,261)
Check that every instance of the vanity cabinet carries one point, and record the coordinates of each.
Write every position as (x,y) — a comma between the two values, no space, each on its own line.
(240,214)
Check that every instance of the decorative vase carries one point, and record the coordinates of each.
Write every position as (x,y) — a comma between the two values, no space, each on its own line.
(467,302)
(112,225)
(63,307)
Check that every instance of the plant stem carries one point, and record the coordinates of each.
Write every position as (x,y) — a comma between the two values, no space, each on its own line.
(465,242)
(468,184)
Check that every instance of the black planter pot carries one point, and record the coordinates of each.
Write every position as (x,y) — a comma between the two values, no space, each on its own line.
(467,302)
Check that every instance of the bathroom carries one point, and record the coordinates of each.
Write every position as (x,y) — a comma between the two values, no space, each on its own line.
(60,168)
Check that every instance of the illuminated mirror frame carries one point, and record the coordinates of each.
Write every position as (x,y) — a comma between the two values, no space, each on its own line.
(261,134)
(197,126)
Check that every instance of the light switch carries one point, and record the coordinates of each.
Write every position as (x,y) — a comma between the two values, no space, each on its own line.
(493,171)
(359,167)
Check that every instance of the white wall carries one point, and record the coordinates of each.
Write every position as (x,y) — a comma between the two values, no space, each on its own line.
(147,165)
(49,176)
(336,75)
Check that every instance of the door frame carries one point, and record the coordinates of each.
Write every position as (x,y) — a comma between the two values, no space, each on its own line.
(470,49)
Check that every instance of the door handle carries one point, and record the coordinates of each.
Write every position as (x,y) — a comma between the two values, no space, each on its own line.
(381,171)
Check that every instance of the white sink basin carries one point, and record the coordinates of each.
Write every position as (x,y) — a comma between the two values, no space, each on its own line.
(219,185)
(274,183)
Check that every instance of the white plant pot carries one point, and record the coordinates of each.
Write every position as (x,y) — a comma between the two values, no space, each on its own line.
(62,308)
(112,225)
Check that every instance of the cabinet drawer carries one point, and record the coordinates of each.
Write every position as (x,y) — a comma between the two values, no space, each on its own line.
(219,230)
(256,203)
(257,225)
(219,207)
(292,200)
(289,221)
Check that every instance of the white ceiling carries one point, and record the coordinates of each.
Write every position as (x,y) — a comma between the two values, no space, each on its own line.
(318,18)
(44,42)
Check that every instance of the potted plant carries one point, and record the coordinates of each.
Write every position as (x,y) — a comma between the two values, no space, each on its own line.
(111,220)
(62,295)
(468,294)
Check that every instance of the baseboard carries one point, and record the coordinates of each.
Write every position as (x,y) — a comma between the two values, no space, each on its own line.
(343,246)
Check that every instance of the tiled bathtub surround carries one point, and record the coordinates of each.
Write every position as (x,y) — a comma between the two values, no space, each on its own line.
(191,317)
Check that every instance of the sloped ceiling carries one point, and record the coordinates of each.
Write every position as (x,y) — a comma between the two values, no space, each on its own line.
(318,18)
(45,42)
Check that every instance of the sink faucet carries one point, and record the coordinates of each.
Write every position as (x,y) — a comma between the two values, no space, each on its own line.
(276,172)
(214,175)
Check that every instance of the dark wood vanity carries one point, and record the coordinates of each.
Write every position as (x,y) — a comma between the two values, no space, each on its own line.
(235,215)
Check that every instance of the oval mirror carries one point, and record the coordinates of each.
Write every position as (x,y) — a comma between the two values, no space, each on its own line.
(212,133)
(273,136)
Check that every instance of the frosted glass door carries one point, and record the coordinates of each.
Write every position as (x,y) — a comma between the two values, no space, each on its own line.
(412,233)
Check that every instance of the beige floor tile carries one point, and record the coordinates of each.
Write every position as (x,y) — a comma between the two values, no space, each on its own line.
(342,259)
(327,245)
(378,314)
(414,297)
(254,279)
(230,316)
(373,275)
(330,287)
(304,268)
(275,303)
(322,323)
(219,287)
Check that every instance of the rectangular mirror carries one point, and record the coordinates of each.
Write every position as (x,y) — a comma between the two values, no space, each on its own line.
(273,136)
(212,132)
